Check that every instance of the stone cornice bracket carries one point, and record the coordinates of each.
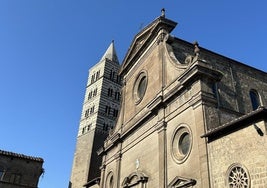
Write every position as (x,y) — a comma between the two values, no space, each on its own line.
(102,167)
(161,126)
(118,156)
(162,36)
(115,138)
(100,151)
(199,70)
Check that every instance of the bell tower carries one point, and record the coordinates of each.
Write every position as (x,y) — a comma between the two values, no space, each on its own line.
(99,113)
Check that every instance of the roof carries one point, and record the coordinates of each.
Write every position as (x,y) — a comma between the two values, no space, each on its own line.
(142,40)
(238,123)
(21,156)
(110,53)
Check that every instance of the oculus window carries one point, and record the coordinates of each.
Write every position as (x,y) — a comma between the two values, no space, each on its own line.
(181,143)
(140,87)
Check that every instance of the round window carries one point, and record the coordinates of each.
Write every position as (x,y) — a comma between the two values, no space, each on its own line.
(238,177)
(140,87)
(181,143)
(184,143)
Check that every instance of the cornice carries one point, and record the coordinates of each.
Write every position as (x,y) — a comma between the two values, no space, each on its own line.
(237,124)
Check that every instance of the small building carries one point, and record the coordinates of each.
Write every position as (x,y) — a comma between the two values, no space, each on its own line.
(19,171)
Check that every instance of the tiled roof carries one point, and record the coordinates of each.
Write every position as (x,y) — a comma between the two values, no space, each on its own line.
(22,156)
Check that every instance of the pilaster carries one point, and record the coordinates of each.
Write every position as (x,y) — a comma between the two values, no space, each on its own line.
(161,128)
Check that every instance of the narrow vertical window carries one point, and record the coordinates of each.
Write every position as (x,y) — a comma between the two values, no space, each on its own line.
(110,74)
(86,113)
(97,75)
(93,78)
(90,95)
(111,92)
(2,172)
(95,92)
(255,100)
(109,110)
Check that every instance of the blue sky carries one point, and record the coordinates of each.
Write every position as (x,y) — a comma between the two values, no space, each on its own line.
(47,47)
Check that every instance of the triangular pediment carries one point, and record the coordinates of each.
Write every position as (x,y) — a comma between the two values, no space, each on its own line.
(181,182)
(142,40)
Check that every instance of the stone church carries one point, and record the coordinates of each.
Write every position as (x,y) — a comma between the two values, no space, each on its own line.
(188,117)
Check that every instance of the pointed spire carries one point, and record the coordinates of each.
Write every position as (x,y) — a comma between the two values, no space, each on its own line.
(110,53)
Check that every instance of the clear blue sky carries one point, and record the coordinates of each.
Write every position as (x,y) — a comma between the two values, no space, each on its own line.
(47,47)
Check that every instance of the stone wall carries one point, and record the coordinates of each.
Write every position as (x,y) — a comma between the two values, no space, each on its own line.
(245,148)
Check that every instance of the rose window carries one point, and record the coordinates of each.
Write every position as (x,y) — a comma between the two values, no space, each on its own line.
(238,178)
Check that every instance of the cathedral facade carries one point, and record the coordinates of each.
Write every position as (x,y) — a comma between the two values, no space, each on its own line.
(188,117)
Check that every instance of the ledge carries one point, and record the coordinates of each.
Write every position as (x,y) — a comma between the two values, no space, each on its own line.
(237,124)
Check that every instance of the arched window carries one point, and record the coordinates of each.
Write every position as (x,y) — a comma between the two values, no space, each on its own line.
(93,78)
(95,92)
(110,180)
(255,100)
(238,176)
(90,95)
(97,75)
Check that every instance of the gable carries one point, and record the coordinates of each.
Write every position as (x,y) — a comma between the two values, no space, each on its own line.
(143,39)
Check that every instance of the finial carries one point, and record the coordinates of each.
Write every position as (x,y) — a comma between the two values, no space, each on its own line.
(163,13)
(196,50)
